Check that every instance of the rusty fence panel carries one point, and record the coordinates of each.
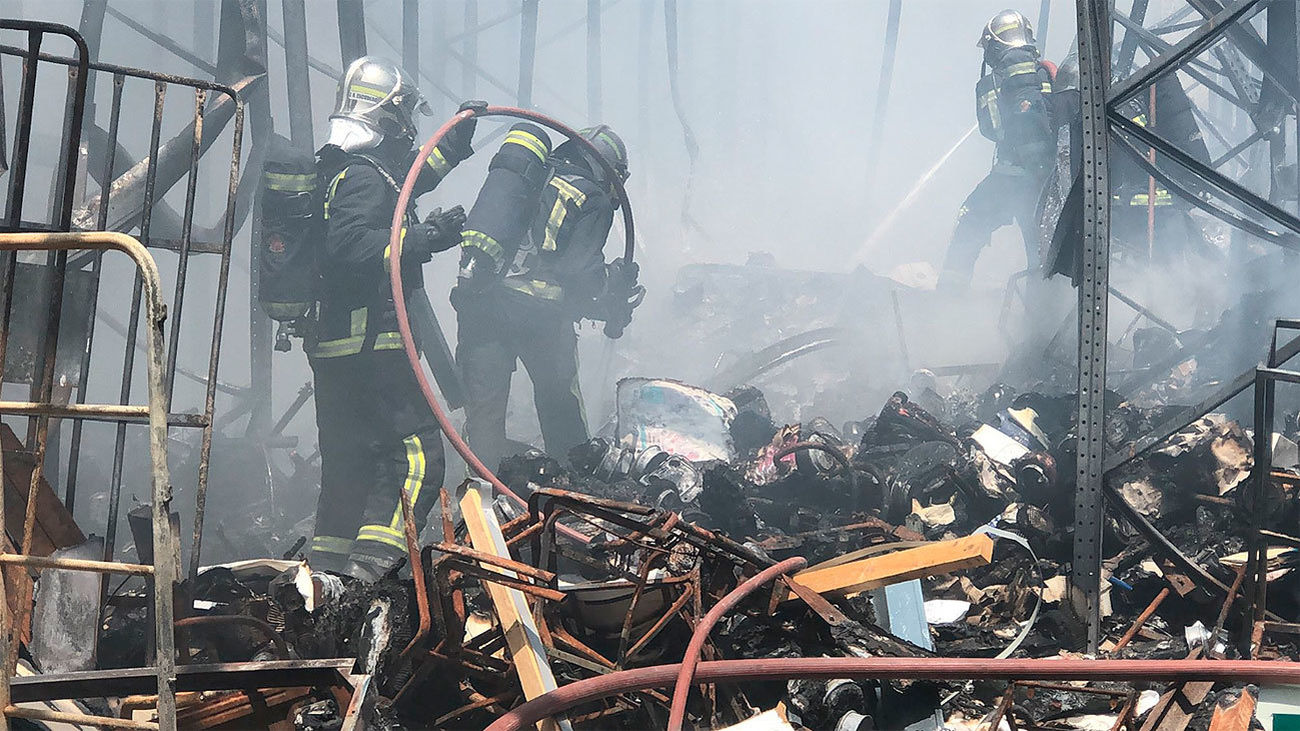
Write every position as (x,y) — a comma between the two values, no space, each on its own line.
(125,202)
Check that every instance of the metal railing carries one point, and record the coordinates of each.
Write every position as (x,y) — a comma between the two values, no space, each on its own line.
(166,546)
(126,202)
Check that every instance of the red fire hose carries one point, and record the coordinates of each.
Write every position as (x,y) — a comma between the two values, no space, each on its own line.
(399,298)
(682,690)
(889,668)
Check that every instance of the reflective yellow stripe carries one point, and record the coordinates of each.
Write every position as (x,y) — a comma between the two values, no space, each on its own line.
(1006,26)
(472,239)
(292,182)
(529,141)
(536,288)
(331,544)
(1047,88)
(989,101)
(1020,69)
(382,534)
(389,341)
(285,310)
(1163,198)
(388,251)
(414,478)
(349,345)
(438,162)
(369,92)
(334,186)
(565,192)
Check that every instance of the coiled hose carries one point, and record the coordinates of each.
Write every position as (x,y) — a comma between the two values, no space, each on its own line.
(399,295)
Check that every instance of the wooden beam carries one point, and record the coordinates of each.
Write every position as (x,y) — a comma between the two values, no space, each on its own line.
(527,651)
(940,557)
(1235,713)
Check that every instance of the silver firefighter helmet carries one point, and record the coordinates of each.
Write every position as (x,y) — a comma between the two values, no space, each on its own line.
(1009,28)
(376,100)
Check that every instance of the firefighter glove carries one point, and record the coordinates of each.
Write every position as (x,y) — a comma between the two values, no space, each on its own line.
(622,294)
(439,231)
(456,145)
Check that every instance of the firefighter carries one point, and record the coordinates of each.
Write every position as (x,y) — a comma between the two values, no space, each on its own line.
(1013,108)
(1160,228)
(377,434)
(532,265)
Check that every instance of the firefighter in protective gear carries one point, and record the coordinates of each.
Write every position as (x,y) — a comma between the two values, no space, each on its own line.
(532,265)
(1173,231)
(377,434)
(1013,107)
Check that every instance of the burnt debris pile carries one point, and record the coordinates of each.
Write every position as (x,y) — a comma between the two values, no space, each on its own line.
(938,527)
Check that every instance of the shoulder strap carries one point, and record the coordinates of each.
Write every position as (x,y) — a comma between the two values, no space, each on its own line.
(378,166)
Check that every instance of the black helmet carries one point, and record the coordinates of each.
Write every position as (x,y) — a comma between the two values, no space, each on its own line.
(1009,28)
(607,143)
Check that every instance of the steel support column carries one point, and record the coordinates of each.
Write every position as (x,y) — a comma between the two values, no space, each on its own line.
(470,60)
(593,61)
(352,30)
(1094,77)
(411,37)
(886,81)
(527,52)
(298,81)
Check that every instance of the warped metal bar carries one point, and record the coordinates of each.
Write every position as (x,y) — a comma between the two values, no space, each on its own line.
(218,322)
(162,41)
(1179,421)
(110,158)
(1195,42)
(1128,47)
(165,543)
(1200,169)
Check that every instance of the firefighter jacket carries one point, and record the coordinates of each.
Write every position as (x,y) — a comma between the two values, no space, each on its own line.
(559,261)
(1013,108)
(355,309)
(562,258)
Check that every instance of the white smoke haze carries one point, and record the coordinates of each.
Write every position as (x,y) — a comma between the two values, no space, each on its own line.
(781,95)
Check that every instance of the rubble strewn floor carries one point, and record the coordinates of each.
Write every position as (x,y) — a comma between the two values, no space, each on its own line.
(889,512)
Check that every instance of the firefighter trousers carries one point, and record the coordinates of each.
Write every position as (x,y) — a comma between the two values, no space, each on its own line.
(999,199)
(377,438)
(494,332)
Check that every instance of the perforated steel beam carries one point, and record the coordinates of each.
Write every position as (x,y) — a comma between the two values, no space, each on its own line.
(1094,76)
